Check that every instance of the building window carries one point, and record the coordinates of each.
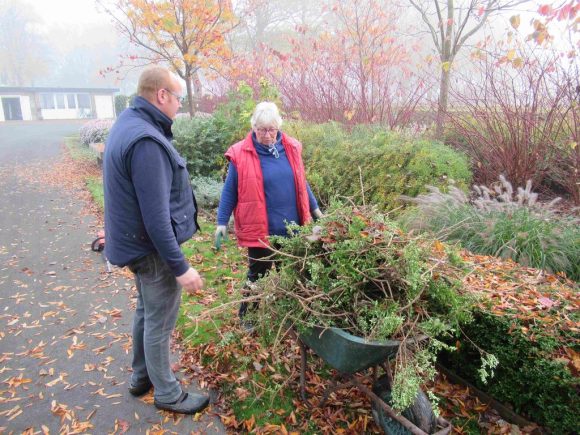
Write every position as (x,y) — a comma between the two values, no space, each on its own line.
(60,101)
(84,101)
(71,101)
(47,101)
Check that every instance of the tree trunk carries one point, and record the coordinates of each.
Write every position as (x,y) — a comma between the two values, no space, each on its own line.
(190,104)
(447,54)
(442,103)
(197,93)
(193,87)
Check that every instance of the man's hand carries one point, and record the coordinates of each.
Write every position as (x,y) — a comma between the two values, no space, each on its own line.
(221,233)
(317,214)
(190,281)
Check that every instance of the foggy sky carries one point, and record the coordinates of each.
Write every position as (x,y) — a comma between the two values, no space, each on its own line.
(82,40)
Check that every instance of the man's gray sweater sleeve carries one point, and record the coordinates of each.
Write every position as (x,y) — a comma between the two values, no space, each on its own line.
(151,173)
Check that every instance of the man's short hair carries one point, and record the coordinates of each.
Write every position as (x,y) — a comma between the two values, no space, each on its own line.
(152,79)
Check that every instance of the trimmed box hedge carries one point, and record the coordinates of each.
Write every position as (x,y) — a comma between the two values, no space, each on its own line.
(530,323)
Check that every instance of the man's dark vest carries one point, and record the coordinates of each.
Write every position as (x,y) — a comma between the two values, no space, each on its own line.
(126,236)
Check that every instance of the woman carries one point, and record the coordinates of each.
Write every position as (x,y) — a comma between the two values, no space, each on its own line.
(266,189)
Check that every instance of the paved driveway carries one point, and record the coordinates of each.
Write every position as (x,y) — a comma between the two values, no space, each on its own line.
(64,322)
(22,141)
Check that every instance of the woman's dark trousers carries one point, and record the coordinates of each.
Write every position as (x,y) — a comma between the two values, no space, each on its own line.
(260,261)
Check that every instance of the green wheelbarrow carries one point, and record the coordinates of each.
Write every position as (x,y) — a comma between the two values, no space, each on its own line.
(349,355)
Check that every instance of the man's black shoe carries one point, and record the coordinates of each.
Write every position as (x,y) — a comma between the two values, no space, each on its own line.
(188,403)
(141,388)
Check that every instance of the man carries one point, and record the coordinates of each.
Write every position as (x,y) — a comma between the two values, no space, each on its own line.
(150,209)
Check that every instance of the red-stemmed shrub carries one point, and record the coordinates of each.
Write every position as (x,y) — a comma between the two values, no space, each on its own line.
(357,71)
(515,117)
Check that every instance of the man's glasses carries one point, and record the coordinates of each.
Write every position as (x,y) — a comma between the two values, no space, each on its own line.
(178,97)
(267,130)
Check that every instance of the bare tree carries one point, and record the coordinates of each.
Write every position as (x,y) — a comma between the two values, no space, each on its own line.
(270,22)
(23,55)
(450,24)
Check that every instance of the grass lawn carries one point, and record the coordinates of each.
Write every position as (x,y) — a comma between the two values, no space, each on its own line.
(77,151)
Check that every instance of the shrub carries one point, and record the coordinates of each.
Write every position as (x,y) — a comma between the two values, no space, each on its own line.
(315,136)
(516,116)
(358,73)
(390,163)
(387,163)
(121,103)
(202,142)
(565,170)
(235,114)
(498,222)
(207,191)
(95,131)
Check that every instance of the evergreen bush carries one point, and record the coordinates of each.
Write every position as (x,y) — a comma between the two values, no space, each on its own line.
(530,376)
(390,163)
(121,103)
(207,191)
(202,142)
(386,164)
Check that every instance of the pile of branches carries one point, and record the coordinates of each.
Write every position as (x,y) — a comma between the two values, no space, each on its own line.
(354,269)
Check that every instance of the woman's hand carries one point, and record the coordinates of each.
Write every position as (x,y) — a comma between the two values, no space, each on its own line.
(221,233)
(317,214)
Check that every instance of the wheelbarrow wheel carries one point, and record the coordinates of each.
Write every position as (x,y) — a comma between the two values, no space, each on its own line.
(420,413)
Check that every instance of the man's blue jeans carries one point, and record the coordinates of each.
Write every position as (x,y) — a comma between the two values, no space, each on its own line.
(158,299)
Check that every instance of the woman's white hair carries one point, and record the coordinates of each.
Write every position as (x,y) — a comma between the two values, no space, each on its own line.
(266,113)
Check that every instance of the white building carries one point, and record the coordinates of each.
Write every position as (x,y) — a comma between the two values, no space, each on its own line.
(31,103)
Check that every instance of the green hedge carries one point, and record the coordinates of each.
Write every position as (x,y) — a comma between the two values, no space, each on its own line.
(391,164)
(529,377)
(202,142)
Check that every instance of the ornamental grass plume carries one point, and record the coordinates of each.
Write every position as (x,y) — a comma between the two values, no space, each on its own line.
(503,222)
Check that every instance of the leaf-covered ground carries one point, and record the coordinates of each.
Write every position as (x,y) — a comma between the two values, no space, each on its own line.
(257,388)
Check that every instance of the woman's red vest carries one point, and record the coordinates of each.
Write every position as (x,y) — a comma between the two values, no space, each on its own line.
(250,214)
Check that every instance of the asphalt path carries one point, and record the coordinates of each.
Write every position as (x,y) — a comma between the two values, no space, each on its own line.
(64,321)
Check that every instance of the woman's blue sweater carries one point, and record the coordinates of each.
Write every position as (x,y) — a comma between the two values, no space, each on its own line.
(279,189)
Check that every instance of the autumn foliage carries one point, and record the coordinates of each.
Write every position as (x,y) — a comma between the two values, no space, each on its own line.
(188,35)
(548,13)
(357,73)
